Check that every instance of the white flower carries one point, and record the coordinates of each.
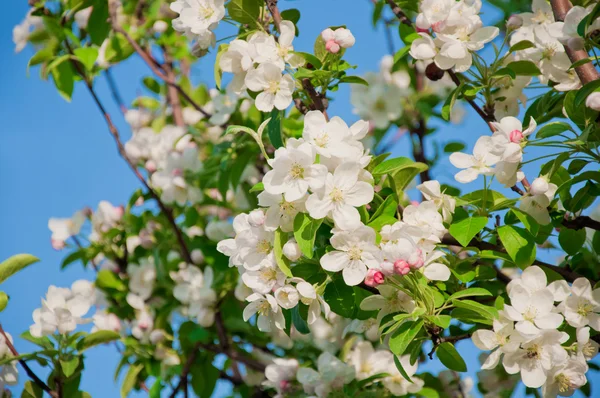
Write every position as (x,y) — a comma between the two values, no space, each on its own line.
(378,102)
(294,172)
(427,219)
(336,39)
(143,325)
(423,48)
(535,358)
(355,252)
(255,247)
(582,307)
(502,339)
(396,383)
(532,311)
(191,116)
(9,374)
(480,162)
(217,230)
(224,105)
(197,16)
(291,250)
(586,348)
(106,321)
(138,118)
(536,201)
(456,47)
(389,301)
(564,378)
(61,311)
(63,228)
(82,17)
(533,279)
(287,33)
(269,313)
(432,191)
(104,218)
(280,371)
(142,278)
(332,374)
(274,87)
(340,196)
(287,296)
(264,279)
(309,297)
(368,362)
(171,179)
(280,213)
(508,137)
(434,14)
(330,138)
(593,101)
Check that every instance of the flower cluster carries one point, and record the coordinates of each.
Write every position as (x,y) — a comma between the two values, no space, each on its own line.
(9,375)
(526,337)
(258,65)
(458,31)
(193,290)
(197,19)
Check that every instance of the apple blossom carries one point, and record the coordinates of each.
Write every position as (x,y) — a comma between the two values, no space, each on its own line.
(593,101)
(582,307)
(275,89)
(480,162)
(337,39)
(269,313)
(63,228)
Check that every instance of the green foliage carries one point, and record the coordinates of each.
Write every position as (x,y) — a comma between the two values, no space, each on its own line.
(305,229)
(15,264)
(450,357)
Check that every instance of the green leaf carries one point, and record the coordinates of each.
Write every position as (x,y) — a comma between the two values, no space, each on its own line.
(428,392)
(299,323)
(465,230)
(305,230)
(404,335)
(32,390)
(354,80)
(450,101)
(577,165)
(291,14)
(130,379)
(107,279)
(442,321)
(311,59)
(340,298)
(584,91)
(63,77)
(454,147)
(151,84)
(245,11)
(87,56)
(524,68)
(450,357)
(97,338)
(401,369)
(258,187)
(571,240)
(3,301)
(473,291)
(15,264)
(552,129)
(274,128)
(204,379)
(519,244)
(218,73)
(522,45)
(486,312)
(98,25)
(282,261)
(69,366)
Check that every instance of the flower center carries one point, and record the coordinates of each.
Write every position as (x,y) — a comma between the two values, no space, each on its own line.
(336,195)
(273,87)
(206,12)
(268,274)
(588,350)
(355,253)
(379,105)
(584,308)
(263,246)
(540,17)
(563,381)
(322,140)
(530,314)
(533,352)
(264,308)
(286,207)
(297,171)
(366,368)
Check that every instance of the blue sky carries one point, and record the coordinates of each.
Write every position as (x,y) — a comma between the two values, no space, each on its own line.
(57,157)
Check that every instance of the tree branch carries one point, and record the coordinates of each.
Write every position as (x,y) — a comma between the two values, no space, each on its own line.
(172,93)
(121,148)
(587,72)
(114,91)
(399,13)
(482,245)
(315,97)
(274,10)
(224,342)
(487,118)
(151,62)
(26,367)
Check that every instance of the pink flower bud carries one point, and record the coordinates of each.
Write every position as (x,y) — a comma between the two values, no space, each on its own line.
(421,30)
(120,210)
(401,267)
(57,244)
(438,26)
(177,172)
(374,278)
(150,166)
(418,263)
(332,47)
(514,22)
(516,136)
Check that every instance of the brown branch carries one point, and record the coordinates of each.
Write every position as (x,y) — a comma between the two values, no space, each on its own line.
(399,13)
(487,118)
(121,148)
(172,93)
(224,342)
(187,367)
(151,62)
(26,367)
(315,97)
(437,340)
(587,72)
(114,91)
(482,245)
(274,10)
(582,222)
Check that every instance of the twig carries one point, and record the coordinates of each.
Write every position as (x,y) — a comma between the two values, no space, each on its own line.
(437,340)
(187,367)
(315,97)
(26,367)
(487,118)
(274,10)
(151,62)
(224,342)
(587,72)
(482,245)
(172,93)
(114,91)
(399,13)
(121,148)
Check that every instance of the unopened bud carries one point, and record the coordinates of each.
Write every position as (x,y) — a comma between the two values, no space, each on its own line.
(433,72)
(387,268)
(593,101)
(197,256)
(374,278)
(256,218)
(150,166)
(539,186)
(160,26)
(514,22)
(516,136)
(401,267)
(291,250)
(156,336)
